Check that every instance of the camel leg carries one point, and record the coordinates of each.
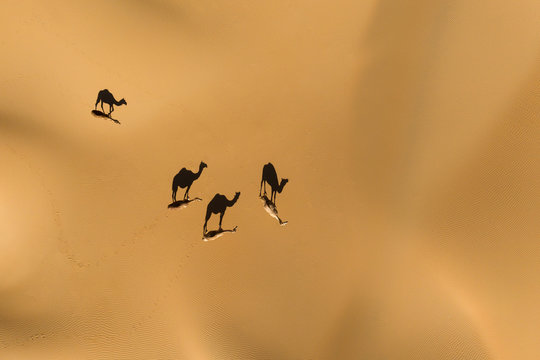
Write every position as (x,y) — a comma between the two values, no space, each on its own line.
(186,196)
(208,214)
(174,194)
(207,217)
(97,102)
(102,110)
(260,188)
(111,109)
(221,219)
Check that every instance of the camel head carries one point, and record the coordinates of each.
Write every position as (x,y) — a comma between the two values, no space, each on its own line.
(237,195)
(282,184)
(123,102)
(202,165)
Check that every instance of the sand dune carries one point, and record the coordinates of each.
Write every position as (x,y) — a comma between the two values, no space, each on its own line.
(408,130)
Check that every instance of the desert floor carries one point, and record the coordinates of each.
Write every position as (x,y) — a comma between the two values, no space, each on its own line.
(408,130)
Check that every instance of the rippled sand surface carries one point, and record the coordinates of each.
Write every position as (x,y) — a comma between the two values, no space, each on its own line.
(409,132)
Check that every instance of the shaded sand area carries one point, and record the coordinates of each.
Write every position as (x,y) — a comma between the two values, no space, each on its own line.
(408,130)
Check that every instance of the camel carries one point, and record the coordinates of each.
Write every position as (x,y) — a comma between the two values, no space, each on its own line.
(185,179)
(218,205)
(269,176)
(105,96)
(272,210)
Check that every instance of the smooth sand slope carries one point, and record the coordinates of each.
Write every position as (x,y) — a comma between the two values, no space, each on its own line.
(409,135)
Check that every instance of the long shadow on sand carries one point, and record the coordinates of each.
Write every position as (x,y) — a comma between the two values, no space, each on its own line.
(103,115)
(182,203)
(271,209)
(214,234)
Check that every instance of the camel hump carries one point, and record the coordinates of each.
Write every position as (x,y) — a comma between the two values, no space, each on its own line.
(270,166)
(269,171)
(183,170)
(219,197)
(181,175)
(103,92)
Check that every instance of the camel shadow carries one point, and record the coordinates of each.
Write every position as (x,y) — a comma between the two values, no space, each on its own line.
(103,115)
(269,175)
(182,203)
(218,205)
(214,234)
(184,179)
(271,209)
(105,97)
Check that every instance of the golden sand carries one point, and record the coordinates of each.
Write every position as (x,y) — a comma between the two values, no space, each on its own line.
(409,131)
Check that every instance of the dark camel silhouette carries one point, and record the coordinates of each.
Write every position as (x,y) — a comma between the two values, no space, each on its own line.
(269,176)
(185,179)
(218,205)
(105,96)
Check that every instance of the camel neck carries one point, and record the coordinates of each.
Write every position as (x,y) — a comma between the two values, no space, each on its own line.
(232,202)
(198,173)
